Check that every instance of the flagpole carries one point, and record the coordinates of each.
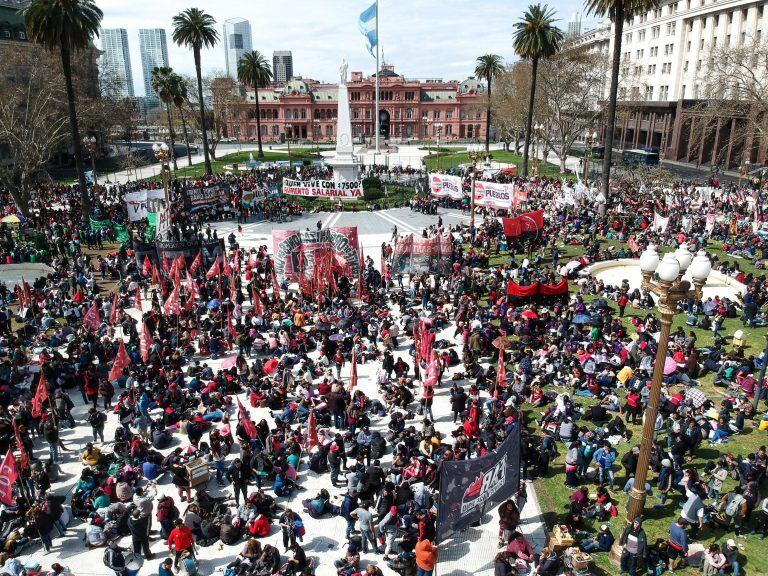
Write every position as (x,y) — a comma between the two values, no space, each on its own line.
(378,73)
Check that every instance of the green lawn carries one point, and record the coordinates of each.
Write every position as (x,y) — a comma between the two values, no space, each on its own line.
(454,159)
(220,164)
(553,494)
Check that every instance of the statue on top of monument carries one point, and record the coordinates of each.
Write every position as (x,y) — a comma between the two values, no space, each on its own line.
(343,71)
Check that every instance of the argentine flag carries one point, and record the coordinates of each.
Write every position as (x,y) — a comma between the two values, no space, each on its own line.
(368,26)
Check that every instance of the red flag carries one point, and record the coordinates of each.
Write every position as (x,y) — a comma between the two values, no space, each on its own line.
(416,343)
(113,312)
(173,304)
(501,374)
(166,267)
(23,456)
(174,272)
(137,299)
(353,377)
(147,266)
(225,266)
(257,306)
(27,295)
(41,395)
(145,341)
(122,361)
(92,318)
(8,475)
(196,263)
(275,284)
(236,263)
(245,420)
(214,270)
(155,276)
(19,296)
(230,328)
(312,439)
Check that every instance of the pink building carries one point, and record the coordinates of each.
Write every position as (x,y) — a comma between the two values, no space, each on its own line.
(410,109)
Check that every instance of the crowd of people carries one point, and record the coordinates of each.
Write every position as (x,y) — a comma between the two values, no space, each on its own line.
(142,374)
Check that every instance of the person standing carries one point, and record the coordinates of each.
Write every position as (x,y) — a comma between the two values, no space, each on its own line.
(634,541)
(677,545)
(426,558)
(367,531)
(138,525)
(180,540)
(96,419)
(239,474)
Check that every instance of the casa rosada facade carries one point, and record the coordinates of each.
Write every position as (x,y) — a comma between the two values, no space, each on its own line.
(410,110)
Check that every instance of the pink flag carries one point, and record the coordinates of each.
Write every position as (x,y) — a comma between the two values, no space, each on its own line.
(8,475)
(172,304)
(113,312)
(145,341)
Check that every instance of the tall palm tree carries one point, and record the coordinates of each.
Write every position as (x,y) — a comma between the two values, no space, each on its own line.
(535,37)
(489,67)
(66,26)
(619,11)
(196,29)
(162,83)
(179,99)
(254,70)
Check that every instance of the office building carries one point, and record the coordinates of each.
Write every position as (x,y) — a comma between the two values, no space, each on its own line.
(154,52)
(663,78)
(115,63)
(282,65)
(237,41)
(574,26)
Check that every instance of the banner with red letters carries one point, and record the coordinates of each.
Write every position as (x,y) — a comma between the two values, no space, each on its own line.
(323,188)
(297,251)
(445,186)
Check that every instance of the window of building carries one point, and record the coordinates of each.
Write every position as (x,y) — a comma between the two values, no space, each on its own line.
(303,113)
(448,114)
(657,13)
(409,95)
(449,130)
(425,114)
(367,114)
(408,113)
(329,131)
(275,130)
(628,38)
(649,93)
(436,114)
(355,113)
(263,129)
(397,113)
(354,96)
(655,31)
(641,35)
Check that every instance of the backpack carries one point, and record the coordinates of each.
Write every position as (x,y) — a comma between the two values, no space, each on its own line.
(733,506)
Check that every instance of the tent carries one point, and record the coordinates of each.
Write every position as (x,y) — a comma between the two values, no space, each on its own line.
(13,219)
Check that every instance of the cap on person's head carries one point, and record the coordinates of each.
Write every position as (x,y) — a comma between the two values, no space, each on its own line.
(730,543)
(393,510)
(603,527)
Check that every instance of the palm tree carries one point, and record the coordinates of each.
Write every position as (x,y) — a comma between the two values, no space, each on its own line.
(254,70)
(195,29)
(179,99)
(535,37)
(619,11)
(489,66)
(66,26)
(162,83)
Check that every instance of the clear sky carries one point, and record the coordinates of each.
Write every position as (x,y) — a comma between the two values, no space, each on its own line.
(422,38)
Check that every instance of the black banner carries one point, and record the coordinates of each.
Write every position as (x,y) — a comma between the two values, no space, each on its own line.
(469,487)
(171,249)
(208,196)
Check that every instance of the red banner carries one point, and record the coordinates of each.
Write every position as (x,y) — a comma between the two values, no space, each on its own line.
(528,222)
(537,289)
(297,252)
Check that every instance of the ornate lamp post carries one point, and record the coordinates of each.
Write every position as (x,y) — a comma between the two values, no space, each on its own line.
(163,153)
(473,151)
(428,122)
(670,288)
(288,134)
(90,144)
(589,141)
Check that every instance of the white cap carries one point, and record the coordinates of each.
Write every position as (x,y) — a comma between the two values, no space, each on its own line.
(604,527)
(731,543)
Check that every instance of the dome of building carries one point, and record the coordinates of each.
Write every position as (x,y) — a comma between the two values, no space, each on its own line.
(472,86)
(296,86)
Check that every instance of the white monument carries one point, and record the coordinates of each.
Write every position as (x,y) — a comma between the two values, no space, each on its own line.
(346,168)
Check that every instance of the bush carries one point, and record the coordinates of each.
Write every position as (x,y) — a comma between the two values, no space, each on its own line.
(371,182)
(372,193)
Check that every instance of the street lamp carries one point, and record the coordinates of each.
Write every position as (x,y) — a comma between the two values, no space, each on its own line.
(473,151)
(288,127)
(670,288)
(538,129)
(438,128)
(589,141)
(429,122)
(90,144)
(163,153)
(316,135)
